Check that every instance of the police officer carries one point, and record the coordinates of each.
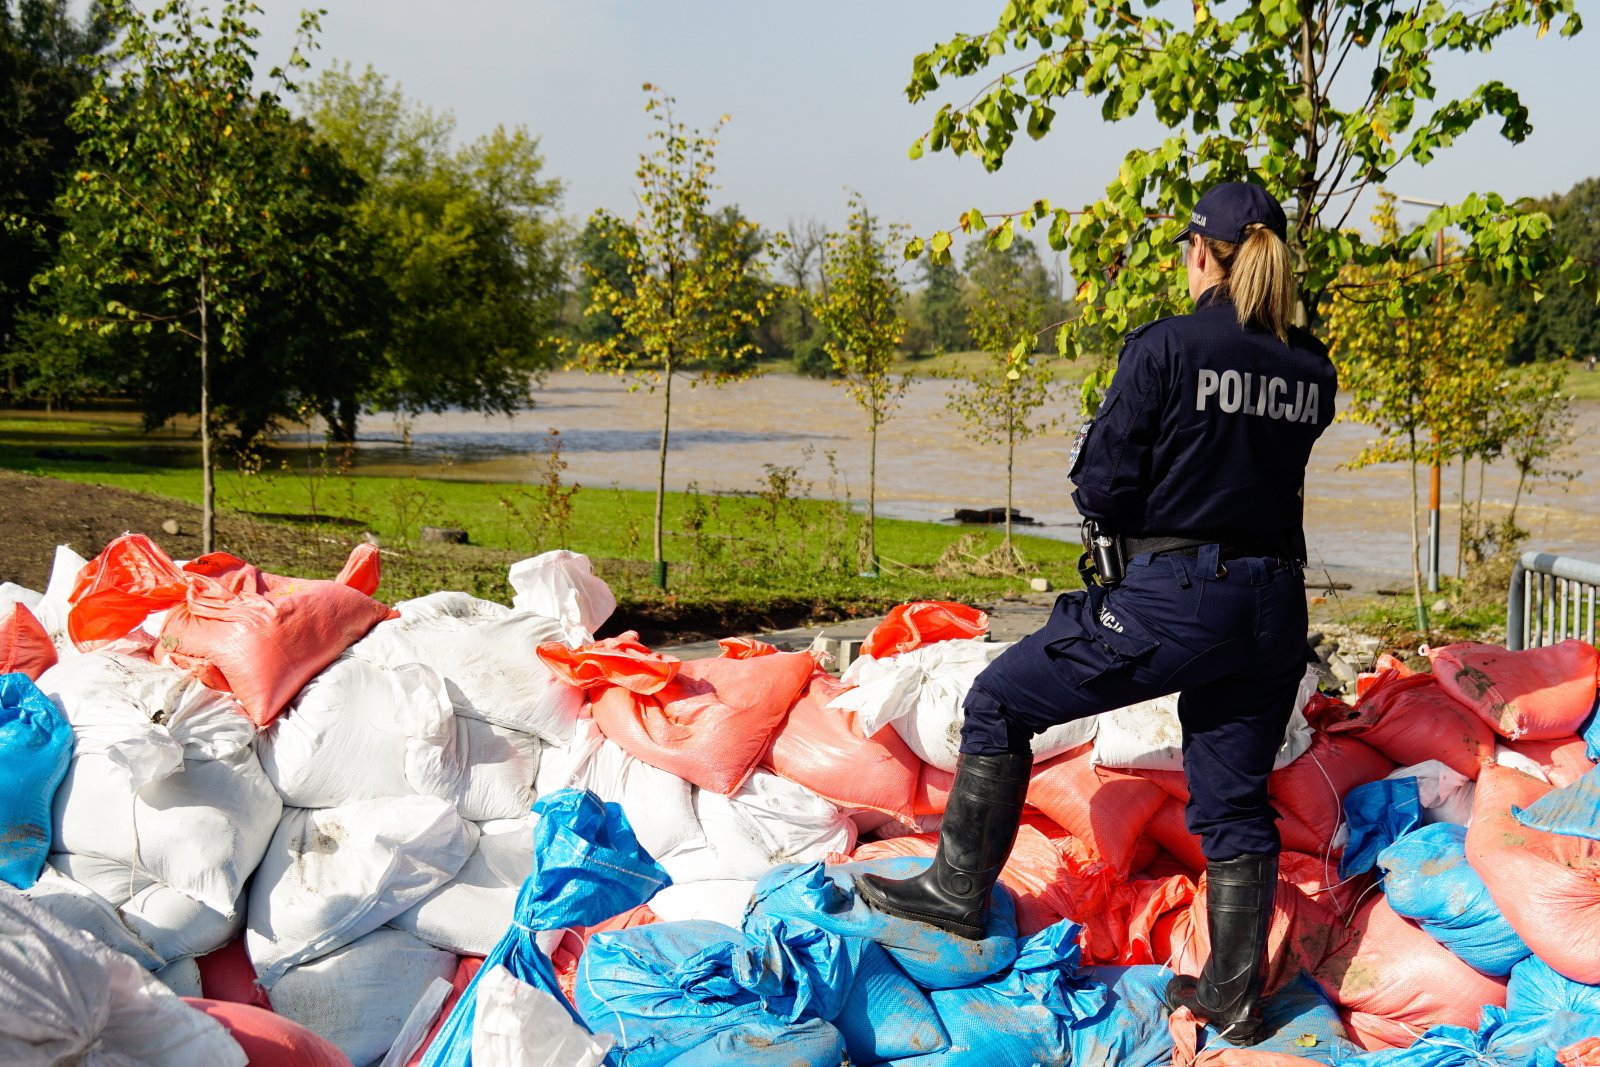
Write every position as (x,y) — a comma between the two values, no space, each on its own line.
(1193,468)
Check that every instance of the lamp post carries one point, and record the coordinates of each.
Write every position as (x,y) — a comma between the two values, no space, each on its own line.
(1433,468)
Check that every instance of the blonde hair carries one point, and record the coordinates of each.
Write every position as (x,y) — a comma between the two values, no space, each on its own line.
(1257,277)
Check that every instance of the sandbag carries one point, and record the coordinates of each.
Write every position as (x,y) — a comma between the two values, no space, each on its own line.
(1534,694)
(1546,885)
(1169,828)
(1309,793)
(711,724)
(1560,760)
(1302,1026)
(466,970)
(1378,814)
(359,995)
(54,605)
(1545,1009)
(720,900)
(488,657)
(886,1015)
(181,976)
(270,1040)
(620,660)
(35,751)
(1443,794)
(130,579)
(83,909)
(769,821)
(925,622)
(1105,809)
(67,999)
(1572,809)
(174,925)
(519,1026)
(1300,934)
(1411,719)
(25,646)
(1395,981)
(471,911)
(1130,1030)
(561,585)
(501,768)
(227,974)
(331,875)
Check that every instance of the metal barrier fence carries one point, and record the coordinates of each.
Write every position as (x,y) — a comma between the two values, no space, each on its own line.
(1552,598)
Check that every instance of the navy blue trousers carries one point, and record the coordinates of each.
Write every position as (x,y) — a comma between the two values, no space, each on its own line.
(1230,634)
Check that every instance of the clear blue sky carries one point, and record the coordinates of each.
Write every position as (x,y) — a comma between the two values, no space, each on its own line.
(816,95)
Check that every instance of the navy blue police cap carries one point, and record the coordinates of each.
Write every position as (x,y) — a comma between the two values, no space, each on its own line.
(1226,209)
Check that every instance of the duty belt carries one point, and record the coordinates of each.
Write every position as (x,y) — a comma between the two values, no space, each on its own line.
(1190,546)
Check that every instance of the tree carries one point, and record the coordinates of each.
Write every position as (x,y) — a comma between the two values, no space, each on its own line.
(1316,100)
(941,306)
(1007,295)
(466,237)
(173,130)
(1562,320)
(688,301)
(860,309)
(600,256)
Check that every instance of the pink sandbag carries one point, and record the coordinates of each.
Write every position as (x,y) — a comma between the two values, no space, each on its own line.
(1309,793)
(909,626)
(1169,829)
(260,636)
(115,591)
(1412,719)
(1301,934)
(1535,694)
(228,974)
(1396,981)
(466,969)
(1562,759)
(25,645)
(711,724)
(1546,885)
(744,648)
(1318,878)
(825,750)
(1186,1051)
(1105,809)
(614,661)
(270,1040)
(363,570)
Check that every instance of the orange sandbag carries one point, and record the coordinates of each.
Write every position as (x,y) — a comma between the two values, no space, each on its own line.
(1535,694)
(1186,1051)
(1105,809)
(1546,885)
(228,974)
(1585,1053)
(1411,719)
(909,626)
(466,969)
(1121,918)
(363,570)
(1169,829)
(1396,981)
(825,750)
(25,645)
(614,661)
(1309,793)
(1562,759)
(744,647)
(115,591)
(711,724)
(575,939)
(260,636)
(1302,932)
(270,1040)
(1318,878)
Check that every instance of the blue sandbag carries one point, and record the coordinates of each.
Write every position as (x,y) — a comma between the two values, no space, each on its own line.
(35,750)
(1428,879)
(1574,809)
(887,1015)
(1131,1029)
(826,897)
(1590,731)
(1545,1008)
(1301,1021)
(587,867)
(1456,1046)
(1379,814)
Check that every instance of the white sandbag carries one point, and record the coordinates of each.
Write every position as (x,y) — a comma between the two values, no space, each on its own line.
(501,770)
(358,996)
(1510,757)
(201,831)
(12,593)
(174,925)
(67,999)
(770,820)
(659,805)
(516,1025)
(721,900)
(561,585)
(54,605)
(487,655)
(1148,735)
(1444,793)
(83,909)
(182,977)
(359,731)
(331,875)
(920,694)
(468,914)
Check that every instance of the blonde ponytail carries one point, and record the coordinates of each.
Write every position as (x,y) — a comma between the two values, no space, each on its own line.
(1257,277)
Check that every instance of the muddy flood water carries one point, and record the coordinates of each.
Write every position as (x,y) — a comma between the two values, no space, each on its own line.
(722,437)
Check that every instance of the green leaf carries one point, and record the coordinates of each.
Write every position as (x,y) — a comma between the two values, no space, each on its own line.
(917,148)
(940,242)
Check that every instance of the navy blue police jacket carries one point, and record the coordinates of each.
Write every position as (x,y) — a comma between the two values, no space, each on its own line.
(1206,431)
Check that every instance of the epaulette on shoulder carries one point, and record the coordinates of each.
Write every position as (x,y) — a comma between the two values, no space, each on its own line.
(1138,331)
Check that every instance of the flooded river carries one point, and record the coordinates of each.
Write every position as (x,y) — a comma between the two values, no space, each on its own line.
(722,437)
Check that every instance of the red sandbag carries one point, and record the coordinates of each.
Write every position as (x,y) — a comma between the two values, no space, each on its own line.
(25,645)
(1535,694)
(1309,793)
(1105,809)
(1546,885)
(1169,829)
(260,636)
(466,969)
(1302,933)
(711,724)
(1387,664)
(1318,878)
(824,749)
(1411,719)
(574,939)
(744,647)
(1396,981)
(363,570)
(1562,759)
(615,661)
(271,1040)
(115,591)
(1121,918)
(227,974)
(909,626)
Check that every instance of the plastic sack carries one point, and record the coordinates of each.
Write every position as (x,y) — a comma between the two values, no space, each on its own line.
(909,626)
(1572,809)
(1411,719)
(1546,1009)
(363,570)
(615,661)
(885,1014)
(710,724)
(466,970)
(1590,733)
(1560,760)
(1309,793)
(720,900)
(1130,1030)
(1427,879)
(561,585)
(1534,694)
(768,821)
(1546,885)
(1443,794)
(268,1039)
(1105,809)
(35,751)
(1379,814)
(1302,1027)
(114,593)
(25,646)
(469,913)
(566,946)
(83,909)
(519,1026)
(173,924)
(227,974)
(65,998)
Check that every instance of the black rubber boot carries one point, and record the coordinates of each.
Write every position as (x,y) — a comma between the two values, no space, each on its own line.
(980,825)
(1227,995)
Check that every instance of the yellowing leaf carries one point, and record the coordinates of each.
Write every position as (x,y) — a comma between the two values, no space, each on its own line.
(940,241)
(1544,28)
(1381,130)
(1306,1040)
(227,131)
(1200,13)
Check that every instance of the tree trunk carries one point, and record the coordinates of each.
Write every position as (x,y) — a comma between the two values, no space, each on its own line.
(1416,564)
(1461,520)
(660,573)
(872,498)
(208,486)
(1011,451)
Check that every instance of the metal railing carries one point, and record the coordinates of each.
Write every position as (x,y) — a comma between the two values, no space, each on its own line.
(1552,598)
